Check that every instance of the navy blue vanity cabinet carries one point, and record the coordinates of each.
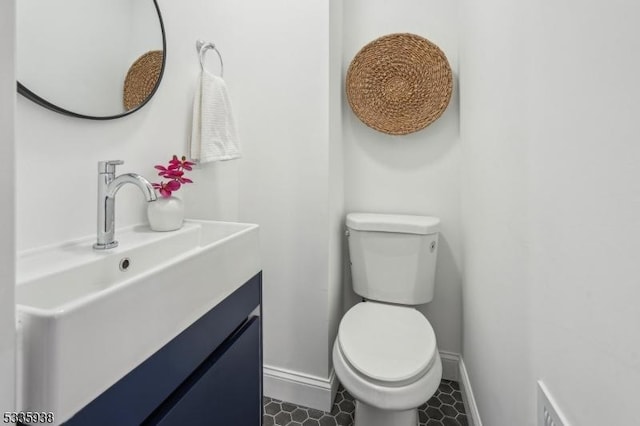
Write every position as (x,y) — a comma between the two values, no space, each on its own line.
(210,374)
(224,390)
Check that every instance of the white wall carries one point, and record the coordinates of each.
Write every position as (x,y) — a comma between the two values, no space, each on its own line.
(7,207)
(417,173)
(494,89)
(285,175)
(277,67)
(287,96)
(336,194)
(585,162)
(551,207)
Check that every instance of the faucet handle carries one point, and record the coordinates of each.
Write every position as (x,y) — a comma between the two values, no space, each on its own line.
(109,166)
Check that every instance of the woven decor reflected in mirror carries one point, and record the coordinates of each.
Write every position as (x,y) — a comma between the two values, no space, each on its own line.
(95,59)
(399,83)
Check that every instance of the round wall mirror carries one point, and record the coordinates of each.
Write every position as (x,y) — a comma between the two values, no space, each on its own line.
(94,59)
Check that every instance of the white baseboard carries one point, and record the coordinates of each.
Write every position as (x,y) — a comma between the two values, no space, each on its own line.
(450,365)
(470,406)
(300,389)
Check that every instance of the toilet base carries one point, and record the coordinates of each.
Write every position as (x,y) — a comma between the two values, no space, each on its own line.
(366,415)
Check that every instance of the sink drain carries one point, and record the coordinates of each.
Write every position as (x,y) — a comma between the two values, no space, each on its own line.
(125,263)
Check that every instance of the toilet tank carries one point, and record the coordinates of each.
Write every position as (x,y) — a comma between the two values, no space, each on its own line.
(393,257)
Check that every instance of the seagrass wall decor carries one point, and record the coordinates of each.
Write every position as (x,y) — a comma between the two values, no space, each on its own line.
(399,83)
(142,78)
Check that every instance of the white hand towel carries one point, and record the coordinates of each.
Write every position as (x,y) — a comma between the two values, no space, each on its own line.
(213,135)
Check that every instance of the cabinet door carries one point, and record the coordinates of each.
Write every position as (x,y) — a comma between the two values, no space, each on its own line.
(224,391)
(137,395)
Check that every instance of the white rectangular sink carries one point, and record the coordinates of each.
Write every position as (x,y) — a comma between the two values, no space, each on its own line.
(85,321)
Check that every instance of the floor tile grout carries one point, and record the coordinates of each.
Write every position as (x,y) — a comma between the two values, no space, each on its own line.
(445,408)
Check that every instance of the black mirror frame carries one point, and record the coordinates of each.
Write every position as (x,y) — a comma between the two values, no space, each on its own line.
(24,91)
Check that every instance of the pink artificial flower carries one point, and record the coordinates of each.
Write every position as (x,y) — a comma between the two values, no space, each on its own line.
(175,163)
(166,188)
(175,173)
(162,169)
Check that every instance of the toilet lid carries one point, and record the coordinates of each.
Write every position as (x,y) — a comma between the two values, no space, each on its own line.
(404,224)
(387,342)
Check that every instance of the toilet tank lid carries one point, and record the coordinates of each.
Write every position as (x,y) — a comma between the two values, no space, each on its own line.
(405,224)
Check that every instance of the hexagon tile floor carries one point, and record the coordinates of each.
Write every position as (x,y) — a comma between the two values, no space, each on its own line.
(445,408)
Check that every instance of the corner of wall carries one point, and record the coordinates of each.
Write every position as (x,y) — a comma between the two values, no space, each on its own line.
(7,207)
(336,176)
(470,406)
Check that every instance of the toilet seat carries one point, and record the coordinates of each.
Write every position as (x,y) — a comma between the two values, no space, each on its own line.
(390,344)
(384,396)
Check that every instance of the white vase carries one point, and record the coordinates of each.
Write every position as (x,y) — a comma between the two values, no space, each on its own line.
(165,214)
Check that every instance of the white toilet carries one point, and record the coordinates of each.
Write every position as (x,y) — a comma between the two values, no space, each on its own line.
(385,354)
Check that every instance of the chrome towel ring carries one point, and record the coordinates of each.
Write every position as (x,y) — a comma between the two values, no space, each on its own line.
(202,47)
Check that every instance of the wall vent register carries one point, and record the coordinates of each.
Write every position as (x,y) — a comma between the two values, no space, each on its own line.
(548,414)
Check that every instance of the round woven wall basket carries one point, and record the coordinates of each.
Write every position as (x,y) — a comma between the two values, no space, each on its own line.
(142,78)
(399,83)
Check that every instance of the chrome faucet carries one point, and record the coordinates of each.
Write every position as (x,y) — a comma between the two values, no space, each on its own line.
(108,186)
